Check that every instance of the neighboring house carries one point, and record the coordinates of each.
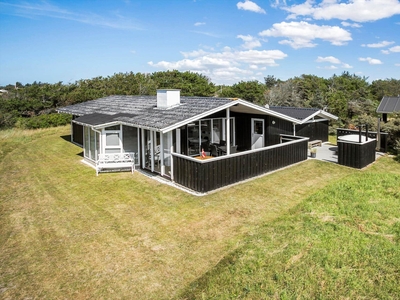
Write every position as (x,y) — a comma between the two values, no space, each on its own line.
(314,122)
(387,106)
(168,132)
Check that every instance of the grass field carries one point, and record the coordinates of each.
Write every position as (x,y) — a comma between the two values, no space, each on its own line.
(313,230)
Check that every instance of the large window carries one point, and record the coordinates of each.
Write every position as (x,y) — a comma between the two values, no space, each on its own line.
(167,144)
(91,143)
(208,131)
(217,131)
(193,133)
(112,138)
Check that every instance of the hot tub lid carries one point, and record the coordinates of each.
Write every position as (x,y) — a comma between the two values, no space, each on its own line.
(353,138)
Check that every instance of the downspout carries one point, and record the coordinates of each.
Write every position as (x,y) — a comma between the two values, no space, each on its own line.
(143,150)
(152,150)
(72,130)
(172,164)
(378,142)
(162,153)
(294,129)
(228,132)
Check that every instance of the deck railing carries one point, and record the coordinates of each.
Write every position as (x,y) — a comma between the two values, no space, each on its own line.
(204,175)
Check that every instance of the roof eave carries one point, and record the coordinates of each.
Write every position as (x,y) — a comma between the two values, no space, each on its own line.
(269,111)
(320,113)
(225,106)
(195,118)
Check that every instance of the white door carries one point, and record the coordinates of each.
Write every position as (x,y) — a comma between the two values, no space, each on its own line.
(257,133)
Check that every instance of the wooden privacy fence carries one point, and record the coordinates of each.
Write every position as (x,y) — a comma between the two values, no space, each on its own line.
(210,174)
(356,155)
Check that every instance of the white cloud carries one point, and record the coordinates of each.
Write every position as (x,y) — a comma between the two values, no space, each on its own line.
(302,34)
(371,61)
(199,24)
(251,6)
(250,42)
(397,65)
(354,25)
(330,59)
(228,66)
(391,50)
(205,33)
(333,60)
(45,9)
(346,66)
(395,49)
(355,10)
(332,67)
(378,45)
(195,53)
(278,2)
(260,57)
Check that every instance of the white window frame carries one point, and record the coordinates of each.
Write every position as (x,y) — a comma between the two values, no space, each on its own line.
(104,133)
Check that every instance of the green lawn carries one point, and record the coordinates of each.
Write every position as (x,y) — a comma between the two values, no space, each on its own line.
(315,230)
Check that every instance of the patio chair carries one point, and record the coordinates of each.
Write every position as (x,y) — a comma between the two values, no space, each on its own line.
(206,145)
(233,149)
(214,150)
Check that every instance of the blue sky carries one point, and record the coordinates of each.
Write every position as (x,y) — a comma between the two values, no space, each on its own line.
(228,41)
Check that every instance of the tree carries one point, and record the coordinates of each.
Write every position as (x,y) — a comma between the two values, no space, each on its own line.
(271,81)
(312,90)
(252,91)
(387,87)
(190,84)
(285,94)
(393,128)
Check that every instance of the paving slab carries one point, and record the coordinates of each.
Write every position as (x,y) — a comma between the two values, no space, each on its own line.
(327,152)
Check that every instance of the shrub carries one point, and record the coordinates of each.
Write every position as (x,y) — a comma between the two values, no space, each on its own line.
(363,119)
(44,121)
(397,149)
(393,128)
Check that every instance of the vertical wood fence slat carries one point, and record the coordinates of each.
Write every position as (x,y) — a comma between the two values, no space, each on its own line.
(204,176)
(356,155)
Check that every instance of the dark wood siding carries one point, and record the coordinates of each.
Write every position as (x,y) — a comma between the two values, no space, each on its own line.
(275,127)
(77,134)
(206,175)
(243,132)
(356,155)
(314,131)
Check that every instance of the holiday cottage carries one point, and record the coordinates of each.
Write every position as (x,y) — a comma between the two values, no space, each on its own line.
(202,143)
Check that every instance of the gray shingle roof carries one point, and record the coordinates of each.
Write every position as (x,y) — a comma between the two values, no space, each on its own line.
(99,119)
(389,105)
(295,112)
(142,110)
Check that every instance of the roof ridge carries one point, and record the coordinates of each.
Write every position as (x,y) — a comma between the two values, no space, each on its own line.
(293,107)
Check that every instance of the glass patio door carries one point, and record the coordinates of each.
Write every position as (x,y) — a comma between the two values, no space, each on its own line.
(151,150)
